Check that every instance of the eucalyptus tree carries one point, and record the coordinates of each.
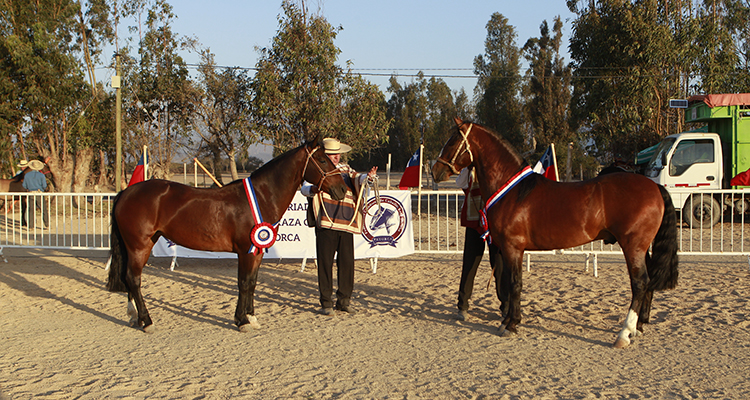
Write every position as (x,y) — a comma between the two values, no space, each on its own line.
(723,34)
(52,108)
(498,104)
(408,111)
(158,91)
(299,92)
(222,110)
(547,89)
(628,62)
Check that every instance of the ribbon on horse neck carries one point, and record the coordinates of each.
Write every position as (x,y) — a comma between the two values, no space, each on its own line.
(512,182)
(263,234)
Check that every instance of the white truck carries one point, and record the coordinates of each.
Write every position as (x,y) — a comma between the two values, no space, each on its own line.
(697,166)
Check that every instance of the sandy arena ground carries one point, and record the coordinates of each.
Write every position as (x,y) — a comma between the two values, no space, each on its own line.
(64,336)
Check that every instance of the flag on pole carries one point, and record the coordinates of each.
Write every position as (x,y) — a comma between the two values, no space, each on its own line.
(139,175)
(547,165)
(411,174)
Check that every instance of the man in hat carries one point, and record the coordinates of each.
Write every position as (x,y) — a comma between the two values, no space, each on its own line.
(35,182)
(336,224)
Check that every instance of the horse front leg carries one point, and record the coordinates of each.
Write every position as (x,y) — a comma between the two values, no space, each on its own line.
(513,261)
(638,285)
(247,277)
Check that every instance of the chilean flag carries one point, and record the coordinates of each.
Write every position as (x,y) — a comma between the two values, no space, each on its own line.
(547,165)
(139,175)
(410,178)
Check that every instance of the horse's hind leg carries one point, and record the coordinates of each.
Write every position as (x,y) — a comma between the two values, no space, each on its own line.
(638,285)
(133,280)
(247,277)
(645,315)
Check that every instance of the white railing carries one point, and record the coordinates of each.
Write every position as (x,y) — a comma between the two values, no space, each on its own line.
(82,221)
(437,229)
(76,221)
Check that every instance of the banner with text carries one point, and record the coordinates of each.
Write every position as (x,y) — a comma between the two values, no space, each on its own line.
(387,232)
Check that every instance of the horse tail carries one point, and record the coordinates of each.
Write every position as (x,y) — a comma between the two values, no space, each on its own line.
(662,265)
(118,256)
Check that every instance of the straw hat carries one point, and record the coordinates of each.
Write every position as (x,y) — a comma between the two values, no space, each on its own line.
(36,165)
(333,146)
(23,164)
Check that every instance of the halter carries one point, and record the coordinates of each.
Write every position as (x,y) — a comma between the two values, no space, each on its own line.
(467,149)
(323,174)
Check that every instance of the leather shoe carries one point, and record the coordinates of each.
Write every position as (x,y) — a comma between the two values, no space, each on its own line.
(326,311)
(346,309)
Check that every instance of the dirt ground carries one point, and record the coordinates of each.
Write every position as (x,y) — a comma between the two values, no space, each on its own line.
(64,336)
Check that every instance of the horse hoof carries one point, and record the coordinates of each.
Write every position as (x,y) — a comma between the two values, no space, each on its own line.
(251,325)
(149,329)
(621,343)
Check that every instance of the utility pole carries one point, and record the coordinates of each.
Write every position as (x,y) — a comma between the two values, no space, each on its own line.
(117,84)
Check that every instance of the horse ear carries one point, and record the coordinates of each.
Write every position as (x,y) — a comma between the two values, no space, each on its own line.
(458,121)
(315,141)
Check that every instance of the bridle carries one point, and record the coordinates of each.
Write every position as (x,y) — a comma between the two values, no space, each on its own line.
(466,147)
(323,174)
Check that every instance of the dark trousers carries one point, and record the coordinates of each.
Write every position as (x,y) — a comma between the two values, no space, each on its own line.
(36,203)
(473,253)
(327,243)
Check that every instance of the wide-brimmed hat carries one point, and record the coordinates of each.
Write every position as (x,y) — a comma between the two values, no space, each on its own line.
(36,165)
(23,164)
(333,146)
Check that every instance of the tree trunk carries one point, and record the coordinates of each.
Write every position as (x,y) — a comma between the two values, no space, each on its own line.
(82,169)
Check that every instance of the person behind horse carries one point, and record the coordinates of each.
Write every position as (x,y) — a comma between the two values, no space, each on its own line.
(35,182)
(474,247)
(335,226)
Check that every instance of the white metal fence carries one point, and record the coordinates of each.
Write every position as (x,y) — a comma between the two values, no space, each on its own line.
(82,221)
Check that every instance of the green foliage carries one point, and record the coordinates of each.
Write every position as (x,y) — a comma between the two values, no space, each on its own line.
(547,91)
(421,111)
(499,84)
(158,93)
(299,92)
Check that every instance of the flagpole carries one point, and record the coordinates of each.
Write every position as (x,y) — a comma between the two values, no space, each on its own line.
(554,158)
(419,190)
(145,162)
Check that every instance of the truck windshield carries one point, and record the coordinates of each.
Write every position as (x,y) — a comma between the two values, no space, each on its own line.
(655,164)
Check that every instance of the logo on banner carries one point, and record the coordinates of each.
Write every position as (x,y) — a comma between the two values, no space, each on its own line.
(385,223)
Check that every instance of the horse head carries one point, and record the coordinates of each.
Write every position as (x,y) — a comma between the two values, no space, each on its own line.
(456,153)
(320,171)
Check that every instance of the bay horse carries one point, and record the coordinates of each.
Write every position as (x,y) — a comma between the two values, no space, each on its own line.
(210,219)
(526,211)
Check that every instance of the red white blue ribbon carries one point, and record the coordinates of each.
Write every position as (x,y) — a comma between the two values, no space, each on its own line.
(263,234)
(510,184)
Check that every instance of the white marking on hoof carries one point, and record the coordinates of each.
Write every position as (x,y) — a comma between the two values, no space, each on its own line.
(253,322)
(149,329)
(628,328)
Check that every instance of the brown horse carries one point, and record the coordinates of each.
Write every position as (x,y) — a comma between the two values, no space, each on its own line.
(211,220)
(530,212)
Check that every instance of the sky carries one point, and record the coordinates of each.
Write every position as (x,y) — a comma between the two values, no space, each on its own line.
(383,37)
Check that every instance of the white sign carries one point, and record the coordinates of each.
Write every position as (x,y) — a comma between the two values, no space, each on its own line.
(387,232)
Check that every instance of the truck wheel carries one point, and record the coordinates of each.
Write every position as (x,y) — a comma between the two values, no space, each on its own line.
(701,211)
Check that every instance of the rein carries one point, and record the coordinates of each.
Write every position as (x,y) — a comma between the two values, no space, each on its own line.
(467,149)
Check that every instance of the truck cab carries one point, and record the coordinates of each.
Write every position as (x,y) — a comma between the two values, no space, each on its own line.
(695,166)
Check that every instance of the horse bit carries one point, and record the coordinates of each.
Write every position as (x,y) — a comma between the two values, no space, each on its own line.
(467,149)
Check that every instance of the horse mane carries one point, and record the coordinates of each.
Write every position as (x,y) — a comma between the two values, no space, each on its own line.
(501,141)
